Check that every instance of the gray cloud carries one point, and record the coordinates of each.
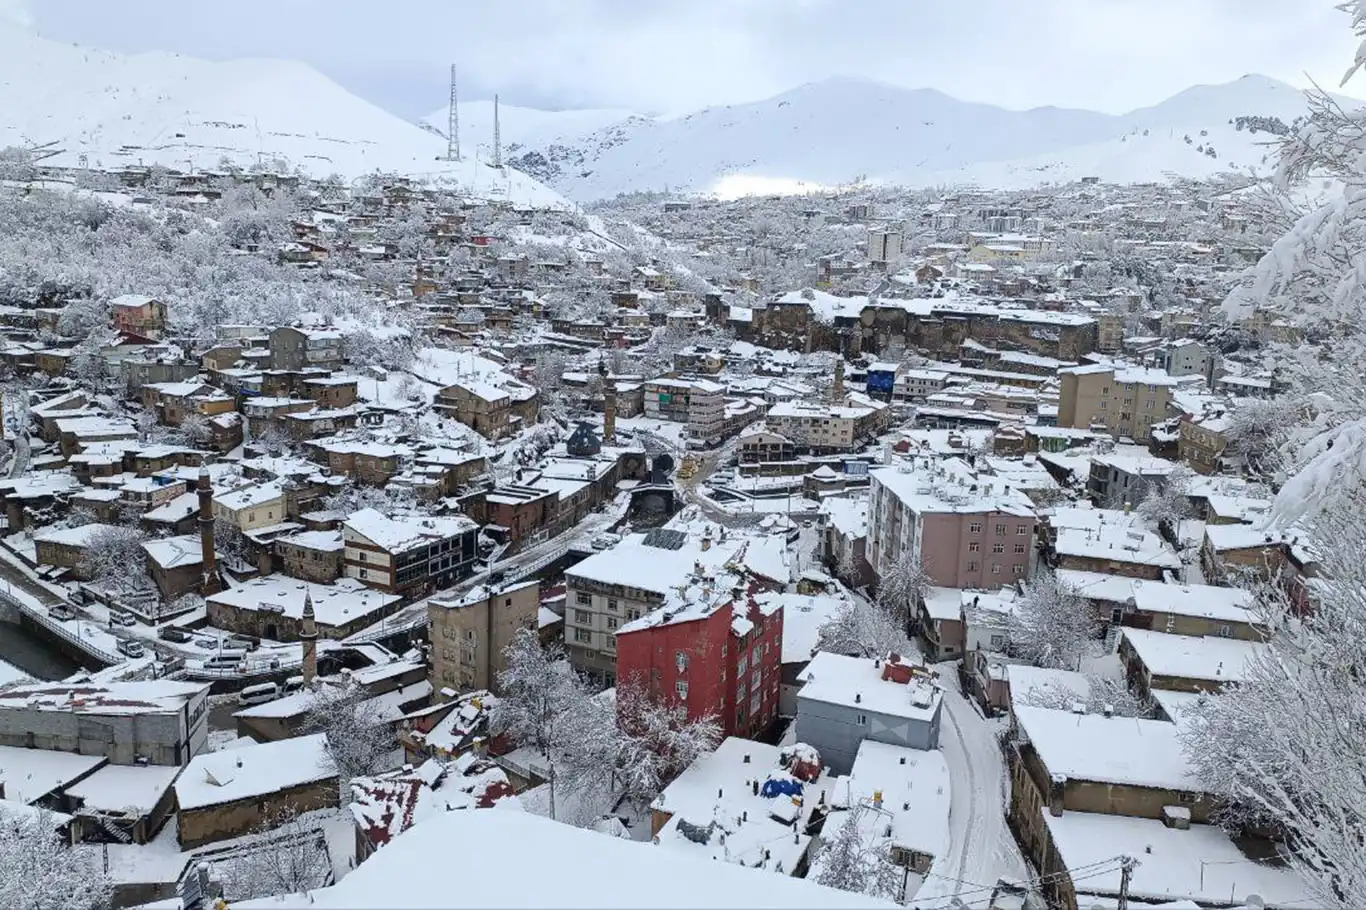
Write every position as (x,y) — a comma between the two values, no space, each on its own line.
(676,55)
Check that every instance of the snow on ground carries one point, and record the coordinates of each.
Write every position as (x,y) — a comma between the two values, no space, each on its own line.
(10,673)
(191,114)
(982,847)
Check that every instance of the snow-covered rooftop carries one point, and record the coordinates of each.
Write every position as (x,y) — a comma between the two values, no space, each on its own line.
(1208,657)
(216,778)
(1110,750)
(159,696)
(837,679)
(337,604)
(574,868)
(31,774)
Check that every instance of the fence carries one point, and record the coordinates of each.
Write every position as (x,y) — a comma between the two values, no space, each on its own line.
(59,630)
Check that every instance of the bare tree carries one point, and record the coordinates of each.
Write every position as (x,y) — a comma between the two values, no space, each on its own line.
(359,741)
(902,588)
(1168,499)
(1284,746)
(38,871)
(114,558)
(855,859)
(287,856)
(656,742)
(860,629)
(1053,626)
(1103,694)
(1257,429)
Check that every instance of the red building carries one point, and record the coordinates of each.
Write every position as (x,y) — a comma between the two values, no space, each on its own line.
(721,659)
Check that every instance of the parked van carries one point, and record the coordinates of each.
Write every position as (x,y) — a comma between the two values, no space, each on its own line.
(258,695)
(122,618)
(130,648)
(294,684)
(230,660)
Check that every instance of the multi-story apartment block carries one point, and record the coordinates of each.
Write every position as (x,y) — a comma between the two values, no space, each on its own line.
(700,403)
(293,348)
(719,656)
(408,558)
(823,428)
(610,589)
(1127,401)
(968,531)
(917,385)
(470,634)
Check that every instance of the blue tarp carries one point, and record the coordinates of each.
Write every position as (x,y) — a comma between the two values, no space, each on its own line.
(785,787)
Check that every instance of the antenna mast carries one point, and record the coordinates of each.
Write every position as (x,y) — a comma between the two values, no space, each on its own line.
(497,137)
(453,123)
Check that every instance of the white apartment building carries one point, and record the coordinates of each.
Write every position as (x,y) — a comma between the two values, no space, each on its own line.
(699,403)
(828,427)
(913,386)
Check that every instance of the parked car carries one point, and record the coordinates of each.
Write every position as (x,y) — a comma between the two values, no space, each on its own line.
(247,642)
(171,633)
(130,648)
(61,612)
(205,643)
(122,618)
(258,695)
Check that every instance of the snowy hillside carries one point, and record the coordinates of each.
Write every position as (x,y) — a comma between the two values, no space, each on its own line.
(186,113)
(839,130)
(522,128)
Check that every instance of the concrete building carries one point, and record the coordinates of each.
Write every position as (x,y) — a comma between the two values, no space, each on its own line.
(294,348)
(159,722)
(699,403)
(470,634)
(408,557)
(827,428)
(968,531)
(1126,401)
(845,700)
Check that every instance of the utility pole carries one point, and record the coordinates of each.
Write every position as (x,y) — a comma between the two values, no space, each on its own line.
(453,123)
(1126,872)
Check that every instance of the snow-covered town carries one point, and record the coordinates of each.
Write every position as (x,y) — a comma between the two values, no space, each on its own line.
(579,516)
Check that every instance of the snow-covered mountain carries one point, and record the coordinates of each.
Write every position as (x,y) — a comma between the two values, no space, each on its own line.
(522,128)
(840,130)
(113,109)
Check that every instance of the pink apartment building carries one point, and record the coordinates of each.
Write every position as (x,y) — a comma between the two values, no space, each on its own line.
(969,530)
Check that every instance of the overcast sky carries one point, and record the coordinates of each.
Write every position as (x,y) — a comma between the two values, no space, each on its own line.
(669,56)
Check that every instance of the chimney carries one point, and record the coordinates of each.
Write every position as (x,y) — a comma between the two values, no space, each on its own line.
(877,799)
(1109,710)
(308,634)
(1128,508)
(838,389)
(706,542)
(1057,793)
(210,583)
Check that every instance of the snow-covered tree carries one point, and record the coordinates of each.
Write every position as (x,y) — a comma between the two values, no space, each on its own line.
(540,697)
(38,871)
(1102,693)
(1257,429)
(359,740)
(287,856)
(901,589)
(854,859)
(114,558)
(1052,626)
(656,741)
(229,541)
(1168,499)
(195,428)
(861,629)
(1287,743)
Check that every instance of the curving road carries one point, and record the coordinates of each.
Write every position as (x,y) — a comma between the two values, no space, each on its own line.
(982,848)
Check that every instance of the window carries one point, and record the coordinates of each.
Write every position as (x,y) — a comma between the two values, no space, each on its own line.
(612,604)
(1225,631)
(1019,548)
(998,642)
(741,666)
(361,556)
(995,568)
(583,635)
(583,599)
(1105,405)
(863,720)
(1022,530)
(633,614)
(1152,403)
(998,548)
(681,661)
(611,622)
(974,547)
(1017,569)
(972,565)
(1000,530)
(582,616)
(1187,797)
(682,689)
(364,574)
(469,635)
(975,528)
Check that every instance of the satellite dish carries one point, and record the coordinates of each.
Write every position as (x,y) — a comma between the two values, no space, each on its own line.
(663,462)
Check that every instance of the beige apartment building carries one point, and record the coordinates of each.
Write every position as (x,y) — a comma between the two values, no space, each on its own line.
(1126,402)
(824,428)
(700,403)
(470,634)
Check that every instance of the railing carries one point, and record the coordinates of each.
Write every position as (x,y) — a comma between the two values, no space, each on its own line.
(60,630)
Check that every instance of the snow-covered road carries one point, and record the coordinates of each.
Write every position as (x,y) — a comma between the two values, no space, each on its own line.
(982,849)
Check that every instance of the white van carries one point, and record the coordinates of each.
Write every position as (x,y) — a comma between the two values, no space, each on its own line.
(258,695)
(230,660)
(293,684)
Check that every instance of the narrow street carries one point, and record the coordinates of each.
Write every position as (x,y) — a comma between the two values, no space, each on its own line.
(982,847)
